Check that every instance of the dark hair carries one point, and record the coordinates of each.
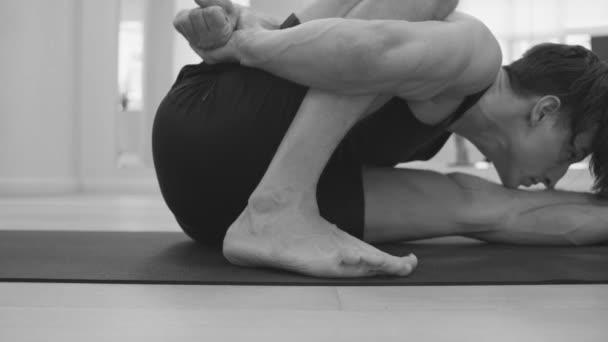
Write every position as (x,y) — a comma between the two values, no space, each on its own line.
(577,76)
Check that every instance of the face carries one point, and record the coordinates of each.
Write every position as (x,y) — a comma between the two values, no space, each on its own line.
(539,147)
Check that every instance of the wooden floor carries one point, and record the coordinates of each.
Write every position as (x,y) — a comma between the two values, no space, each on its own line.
(36,312)
(70,312)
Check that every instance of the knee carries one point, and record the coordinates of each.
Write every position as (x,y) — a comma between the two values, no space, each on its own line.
(443,8)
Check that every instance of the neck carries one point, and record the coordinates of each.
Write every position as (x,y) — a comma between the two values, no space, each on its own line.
(479,124)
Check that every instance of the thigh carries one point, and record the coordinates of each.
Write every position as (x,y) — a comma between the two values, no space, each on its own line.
(406,204)
(213,138)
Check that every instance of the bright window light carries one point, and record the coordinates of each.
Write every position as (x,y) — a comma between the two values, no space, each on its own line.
(242,2)
(579,166)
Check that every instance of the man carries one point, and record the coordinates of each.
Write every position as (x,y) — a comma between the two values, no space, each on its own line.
(335,162)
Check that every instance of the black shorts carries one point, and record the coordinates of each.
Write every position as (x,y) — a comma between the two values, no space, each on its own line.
(215,135)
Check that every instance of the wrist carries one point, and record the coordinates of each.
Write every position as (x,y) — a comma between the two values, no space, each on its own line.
(268,23)
(246,51)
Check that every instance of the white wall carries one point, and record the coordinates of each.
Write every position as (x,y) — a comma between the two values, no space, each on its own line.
(98,96)
(59,80)
(182,53)
(37,114)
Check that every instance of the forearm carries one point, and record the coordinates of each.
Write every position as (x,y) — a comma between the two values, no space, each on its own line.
(338,55)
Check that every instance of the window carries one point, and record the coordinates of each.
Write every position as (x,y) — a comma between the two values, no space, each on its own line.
(130,97)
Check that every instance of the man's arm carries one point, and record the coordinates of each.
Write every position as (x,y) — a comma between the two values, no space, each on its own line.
(360,57)
(211,25)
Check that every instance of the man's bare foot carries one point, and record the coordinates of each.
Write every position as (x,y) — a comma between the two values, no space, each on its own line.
(295,238)
(211,26)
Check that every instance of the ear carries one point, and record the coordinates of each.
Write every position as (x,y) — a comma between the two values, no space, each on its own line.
(546,107)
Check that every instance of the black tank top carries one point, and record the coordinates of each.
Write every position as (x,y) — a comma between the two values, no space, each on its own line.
(394,135)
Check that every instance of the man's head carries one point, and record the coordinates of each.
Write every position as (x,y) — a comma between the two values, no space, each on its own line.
(553,112)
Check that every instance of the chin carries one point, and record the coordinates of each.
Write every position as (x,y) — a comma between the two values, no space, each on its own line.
(508,180)
(512,185)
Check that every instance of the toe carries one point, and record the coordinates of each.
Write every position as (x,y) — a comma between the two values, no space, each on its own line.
(400,266)
(374,260)
(408,265)
(350,257)
(413,259)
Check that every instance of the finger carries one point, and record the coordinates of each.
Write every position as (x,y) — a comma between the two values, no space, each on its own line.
(182,24)
(225,4)
(216,20)
(200,27)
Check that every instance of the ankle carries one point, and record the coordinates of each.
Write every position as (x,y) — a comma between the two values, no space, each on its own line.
(264,201)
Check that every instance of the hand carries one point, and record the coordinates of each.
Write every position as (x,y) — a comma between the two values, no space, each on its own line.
(213,29)
(208,29)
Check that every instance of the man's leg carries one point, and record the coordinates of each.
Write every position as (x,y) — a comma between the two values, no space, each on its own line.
(284,203)
(405,204)
(417,204)
(281,226)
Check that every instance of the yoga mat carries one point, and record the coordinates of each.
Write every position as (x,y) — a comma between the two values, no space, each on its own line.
(171,258)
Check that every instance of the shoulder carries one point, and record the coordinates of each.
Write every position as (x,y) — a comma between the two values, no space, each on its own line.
(482,58)
(456,57)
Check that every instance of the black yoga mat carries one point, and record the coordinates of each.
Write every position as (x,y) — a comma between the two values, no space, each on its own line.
(171,258)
